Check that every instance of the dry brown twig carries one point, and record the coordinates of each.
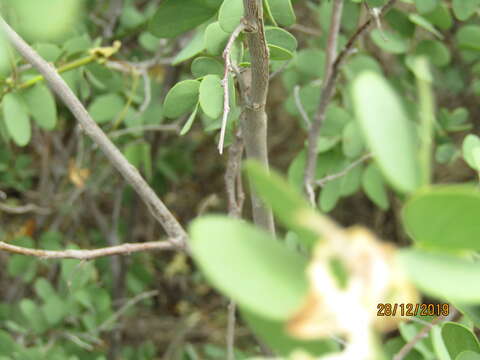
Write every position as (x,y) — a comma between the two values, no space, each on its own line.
(124,249)
(331,75)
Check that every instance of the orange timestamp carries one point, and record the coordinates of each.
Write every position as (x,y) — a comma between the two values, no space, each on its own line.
(409,309)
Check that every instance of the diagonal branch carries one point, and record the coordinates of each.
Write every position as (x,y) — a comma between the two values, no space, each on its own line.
(124,249)
(329,88)
(326,95)
(158,209)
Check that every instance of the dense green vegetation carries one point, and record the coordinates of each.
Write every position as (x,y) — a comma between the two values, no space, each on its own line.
(360,242)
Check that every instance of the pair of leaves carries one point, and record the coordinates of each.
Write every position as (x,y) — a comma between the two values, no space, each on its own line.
(186,95)
(37,102)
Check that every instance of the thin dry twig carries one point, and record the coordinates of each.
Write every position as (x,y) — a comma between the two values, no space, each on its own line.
(158,209)
(231,330)
(132,302)
(328,90)
(23,209)
(299,105)
(328,178)
(124,249)
(165,127)
(233,184)
(226,95)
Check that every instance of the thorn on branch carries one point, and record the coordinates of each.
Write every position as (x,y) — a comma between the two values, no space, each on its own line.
(226,94)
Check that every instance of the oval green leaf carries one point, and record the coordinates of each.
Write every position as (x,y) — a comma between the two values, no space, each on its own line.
(463,9)
(16,119)
(211,96)
(468,355)
(174,17)
(443,276)
(282,11)
(444,217)
(458,338)
(215,39)
(374,187)
(181,98)
(41,105)
(249,265)
(194,47)
(105,107)
(230,14)
(387,130)
(203,65)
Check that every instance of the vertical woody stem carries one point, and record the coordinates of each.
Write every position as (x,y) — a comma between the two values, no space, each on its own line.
(254,125)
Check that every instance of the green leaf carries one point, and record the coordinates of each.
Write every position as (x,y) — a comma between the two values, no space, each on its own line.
(44,289)
(188,124)
(175,17)
(8,344)
(287,203)
(438,345)
(181,98)
(54,310)
(458,338)
(215,39)
(463,9)
(472,312)
(194,47)
(16,119)
(468,355)
(443,276)
(249,265)
(50,52)
(468,37)
(391,138)
(281,38)
(441,17)
(374,186)
(203,65)
(389,41)
(311,62)
(437,53)
(274,335)
(41,106)
(211,96)
(352,141)
(421,21)
(426,6)
(106,107)
(444,217)
(281,43)
(471,143)
(330,195)
(230,14)
(33,315)
(279,53)
(282,11)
